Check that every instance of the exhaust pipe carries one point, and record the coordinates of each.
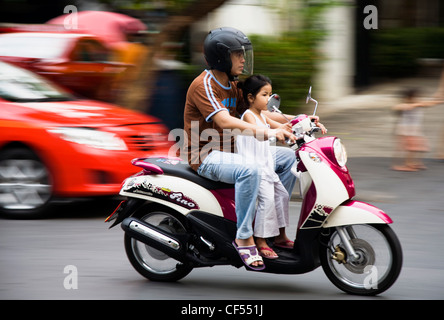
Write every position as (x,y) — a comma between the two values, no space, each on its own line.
(155,237)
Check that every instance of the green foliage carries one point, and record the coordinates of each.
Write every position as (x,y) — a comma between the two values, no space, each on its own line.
(291,59)
(170,6)
(290,62)
(396,51)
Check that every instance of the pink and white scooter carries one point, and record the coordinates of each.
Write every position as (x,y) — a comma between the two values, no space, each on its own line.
(175,221)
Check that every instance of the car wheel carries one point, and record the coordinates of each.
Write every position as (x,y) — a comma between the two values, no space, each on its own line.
(25,184)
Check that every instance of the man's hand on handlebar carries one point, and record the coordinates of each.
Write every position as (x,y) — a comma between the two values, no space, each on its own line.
(282,135)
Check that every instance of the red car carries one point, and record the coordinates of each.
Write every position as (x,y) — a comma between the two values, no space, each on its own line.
(79,62)
(53,145)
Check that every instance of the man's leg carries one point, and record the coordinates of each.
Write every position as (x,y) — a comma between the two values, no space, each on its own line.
(232,168)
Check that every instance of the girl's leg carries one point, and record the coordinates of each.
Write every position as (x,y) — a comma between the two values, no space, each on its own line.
(282,203)
(284,159)
(282,213)
(265,223)
(403,146)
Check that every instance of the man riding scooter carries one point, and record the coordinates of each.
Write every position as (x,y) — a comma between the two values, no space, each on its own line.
(176,220)
(211,102)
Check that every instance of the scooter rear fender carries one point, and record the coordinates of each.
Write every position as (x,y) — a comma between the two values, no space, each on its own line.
(356,212)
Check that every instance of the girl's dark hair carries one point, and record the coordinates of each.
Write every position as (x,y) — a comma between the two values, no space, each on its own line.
(253,85)
(410,93)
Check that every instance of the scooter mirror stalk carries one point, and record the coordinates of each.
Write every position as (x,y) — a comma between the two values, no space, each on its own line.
(308,95)
(309,98)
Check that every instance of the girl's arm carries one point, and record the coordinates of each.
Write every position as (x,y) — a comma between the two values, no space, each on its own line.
(430,103)
(275,116)
(278,121)
(225,121)
(407,106)
(248,117)
(412,105)
(277,125)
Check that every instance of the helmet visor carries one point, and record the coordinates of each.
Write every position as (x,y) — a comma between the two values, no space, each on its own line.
(248,64)
(245,56)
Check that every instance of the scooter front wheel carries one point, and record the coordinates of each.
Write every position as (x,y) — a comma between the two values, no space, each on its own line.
(150,262)
(375,267)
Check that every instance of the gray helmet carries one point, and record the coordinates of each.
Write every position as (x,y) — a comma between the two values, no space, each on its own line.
(220,43)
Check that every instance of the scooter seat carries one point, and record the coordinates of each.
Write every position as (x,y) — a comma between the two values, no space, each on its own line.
(183,170)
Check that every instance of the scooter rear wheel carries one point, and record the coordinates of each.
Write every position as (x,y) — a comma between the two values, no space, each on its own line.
(378,265)
(152,263)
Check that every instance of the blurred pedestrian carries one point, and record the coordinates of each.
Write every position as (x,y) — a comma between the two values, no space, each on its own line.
(440,96)
(440,147)
(411,142)
(132,53)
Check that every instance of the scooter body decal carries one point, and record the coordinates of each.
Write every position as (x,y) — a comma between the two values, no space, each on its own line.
(317,216)
(147,188)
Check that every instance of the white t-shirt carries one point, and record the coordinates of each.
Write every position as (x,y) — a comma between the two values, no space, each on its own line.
(410,122)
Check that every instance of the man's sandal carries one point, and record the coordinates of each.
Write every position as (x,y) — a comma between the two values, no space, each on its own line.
(249,255)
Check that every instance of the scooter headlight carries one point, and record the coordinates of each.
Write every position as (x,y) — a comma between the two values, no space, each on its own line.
(340,152)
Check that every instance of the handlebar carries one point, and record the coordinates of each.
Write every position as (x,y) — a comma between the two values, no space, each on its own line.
(302,126)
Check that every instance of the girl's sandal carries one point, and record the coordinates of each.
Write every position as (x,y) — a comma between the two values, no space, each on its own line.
(284,244)
(271,255)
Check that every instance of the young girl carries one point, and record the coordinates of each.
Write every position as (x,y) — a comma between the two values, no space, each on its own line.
(410,139)
(273,199)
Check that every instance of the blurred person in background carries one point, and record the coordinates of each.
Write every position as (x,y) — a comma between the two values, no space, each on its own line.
(440,96)
(169,78)
(411,142)
(132,52)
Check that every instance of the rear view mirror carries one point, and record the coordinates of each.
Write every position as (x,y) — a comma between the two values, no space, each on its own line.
(274,102)
(308,95)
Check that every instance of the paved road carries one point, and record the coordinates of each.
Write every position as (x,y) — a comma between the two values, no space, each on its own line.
(35,253)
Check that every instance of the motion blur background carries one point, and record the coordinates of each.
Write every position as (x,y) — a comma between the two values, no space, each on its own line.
(296,42)
(142,56)
(358,56)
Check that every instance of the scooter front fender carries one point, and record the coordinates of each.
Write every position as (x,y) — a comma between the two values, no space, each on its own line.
(356,212)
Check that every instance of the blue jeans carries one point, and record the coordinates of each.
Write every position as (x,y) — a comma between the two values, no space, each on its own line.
(284,159)
(232,168)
